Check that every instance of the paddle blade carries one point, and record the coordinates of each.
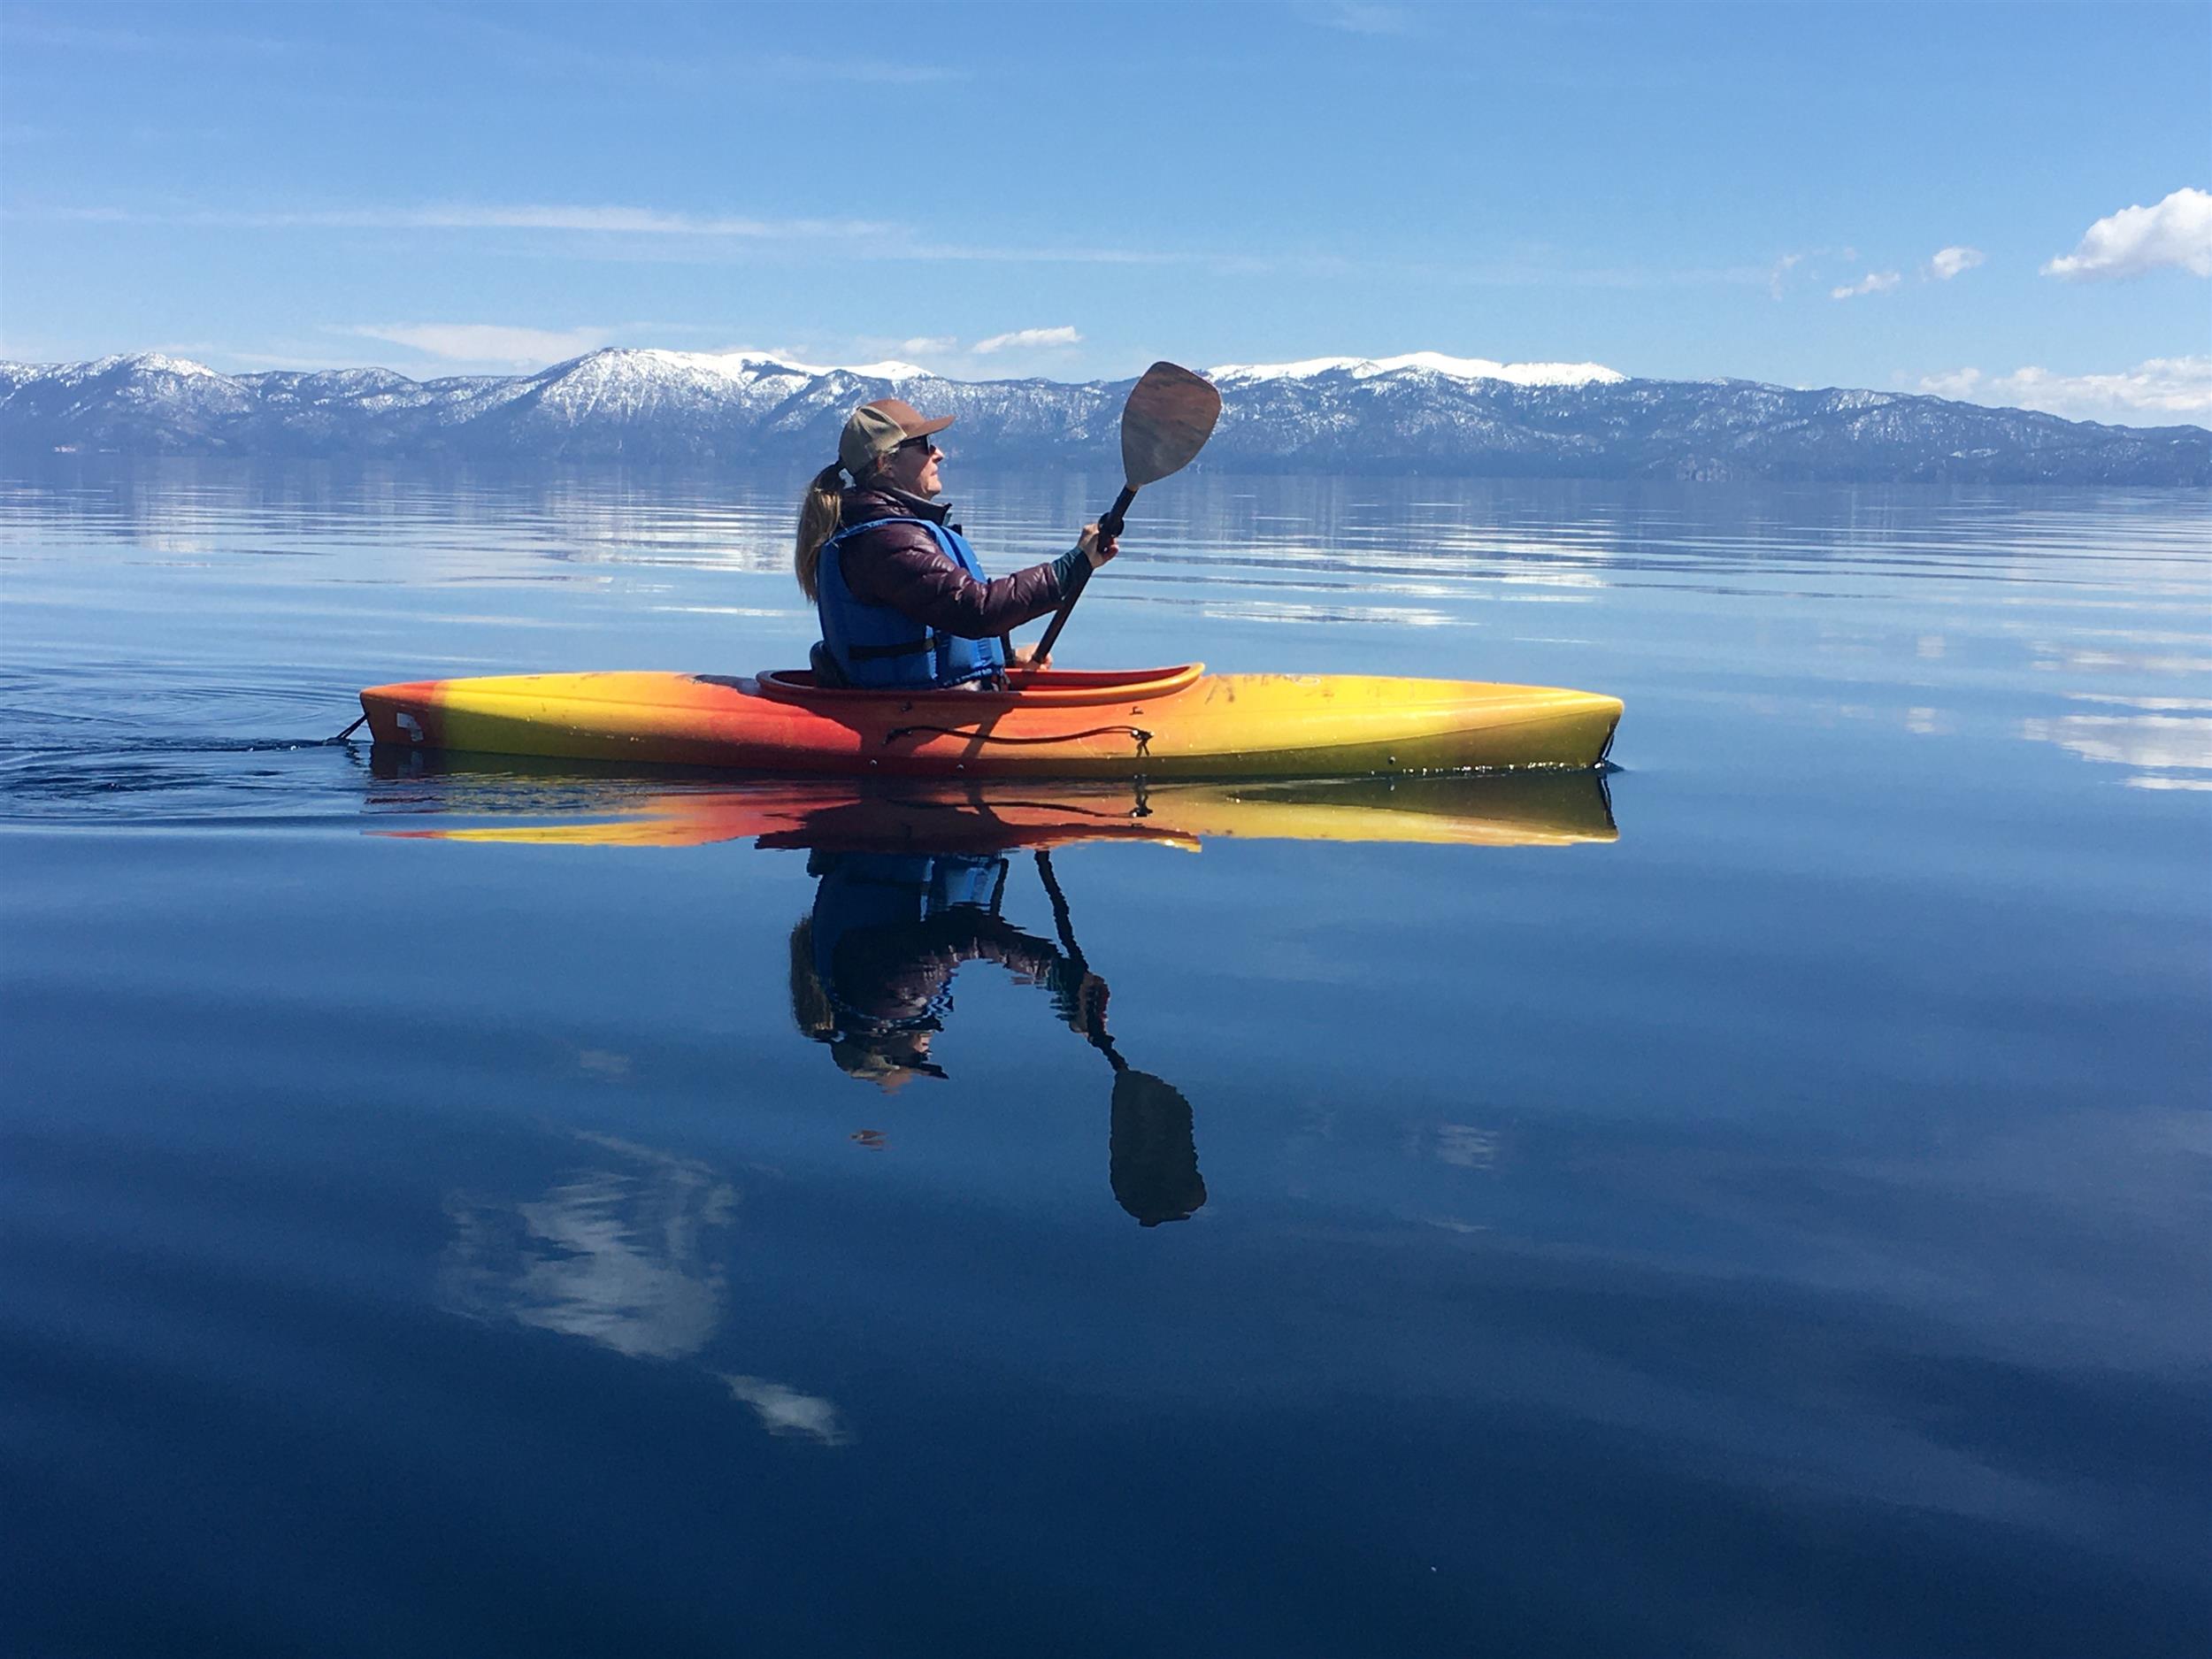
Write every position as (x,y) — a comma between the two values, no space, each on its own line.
(1152,1155)
(1166,423)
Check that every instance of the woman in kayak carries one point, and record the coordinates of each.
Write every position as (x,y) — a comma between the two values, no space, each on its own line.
(903,601)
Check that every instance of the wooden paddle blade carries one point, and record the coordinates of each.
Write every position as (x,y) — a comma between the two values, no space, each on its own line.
(1166,422)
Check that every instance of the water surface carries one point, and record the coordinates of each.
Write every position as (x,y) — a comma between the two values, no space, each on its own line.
(1754,1203)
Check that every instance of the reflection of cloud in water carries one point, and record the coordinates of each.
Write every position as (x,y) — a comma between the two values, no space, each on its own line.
(1266,611)
(618,1255)
(778,611)
(2150,743)
(1463,1145)
(2053,658)
(788,1412)
(2155,705)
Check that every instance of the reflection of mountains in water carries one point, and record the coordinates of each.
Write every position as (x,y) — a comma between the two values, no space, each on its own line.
(565,804)
(1313,549)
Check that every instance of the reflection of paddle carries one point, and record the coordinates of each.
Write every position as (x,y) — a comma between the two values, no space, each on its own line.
(1152,1152)
(1170,415)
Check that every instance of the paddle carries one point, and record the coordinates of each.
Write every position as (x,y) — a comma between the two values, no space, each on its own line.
(1170,415)
(1151,1148)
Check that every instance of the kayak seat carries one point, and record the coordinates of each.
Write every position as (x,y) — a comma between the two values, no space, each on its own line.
(827,672)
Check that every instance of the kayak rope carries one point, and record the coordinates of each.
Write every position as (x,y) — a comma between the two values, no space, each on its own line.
(348,733)
(996,807)
(1143,737)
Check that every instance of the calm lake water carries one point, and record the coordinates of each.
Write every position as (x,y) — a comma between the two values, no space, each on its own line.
(1754,1204)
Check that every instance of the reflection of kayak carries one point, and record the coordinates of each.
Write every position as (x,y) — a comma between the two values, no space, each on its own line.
(1153,723)
(1551,809)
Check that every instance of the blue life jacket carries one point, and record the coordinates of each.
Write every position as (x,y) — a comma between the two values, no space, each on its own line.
(891,895)
(879,646)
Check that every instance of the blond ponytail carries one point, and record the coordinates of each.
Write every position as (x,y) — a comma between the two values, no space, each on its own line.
(819,516)
(812,1010)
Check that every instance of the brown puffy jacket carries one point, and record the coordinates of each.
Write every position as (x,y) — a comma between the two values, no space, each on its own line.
(896,974)
(901,566)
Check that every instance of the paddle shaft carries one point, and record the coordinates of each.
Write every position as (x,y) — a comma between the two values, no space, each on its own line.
(1108,525)
(1065,925)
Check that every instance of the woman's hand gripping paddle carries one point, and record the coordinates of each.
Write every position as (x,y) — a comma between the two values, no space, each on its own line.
(1170,415)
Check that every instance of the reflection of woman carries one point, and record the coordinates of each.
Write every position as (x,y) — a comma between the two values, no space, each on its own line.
(871,972)
(872,968)
(903,601)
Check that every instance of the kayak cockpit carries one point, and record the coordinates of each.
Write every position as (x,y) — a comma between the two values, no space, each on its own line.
(1049,688)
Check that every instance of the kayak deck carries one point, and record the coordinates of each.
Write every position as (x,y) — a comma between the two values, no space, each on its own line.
(1156,723)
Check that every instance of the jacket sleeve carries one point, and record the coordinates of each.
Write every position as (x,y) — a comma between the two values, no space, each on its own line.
(901,566)
(899,970)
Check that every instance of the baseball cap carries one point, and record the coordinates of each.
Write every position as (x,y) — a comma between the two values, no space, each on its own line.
(878,429)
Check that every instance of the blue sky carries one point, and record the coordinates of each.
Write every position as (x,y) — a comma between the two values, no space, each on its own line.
(1070,190)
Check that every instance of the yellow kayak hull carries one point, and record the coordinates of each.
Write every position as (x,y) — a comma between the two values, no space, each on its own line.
(1154,723)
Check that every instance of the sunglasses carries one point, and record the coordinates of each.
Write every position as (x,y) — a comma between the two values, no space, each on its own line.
(929,444)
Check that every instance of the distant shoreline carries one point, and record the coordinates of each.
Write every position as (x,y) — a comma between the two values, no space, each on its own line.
(1407,416)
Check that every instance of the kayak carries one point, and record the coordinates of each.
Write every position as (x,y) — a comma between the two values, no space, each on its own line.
(1156,723)
(1554,808)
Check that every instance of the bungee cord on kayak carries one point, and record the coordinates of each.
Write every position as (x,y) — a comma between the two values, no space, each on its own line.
(1143,737)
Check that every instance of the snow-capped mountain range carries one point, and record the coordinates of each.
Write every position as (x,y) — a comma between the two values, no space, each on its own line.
(1431,362)
(1421,413)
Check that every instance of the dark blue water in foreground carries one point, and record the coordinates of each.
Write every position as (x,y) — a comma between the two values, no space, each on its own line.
(1780,1230)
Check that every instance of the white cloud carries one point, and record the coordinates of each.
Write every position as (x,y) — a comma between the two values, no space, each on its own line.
(1031,338)
(308,361)
(1872,282)
(937,348)
(1949,262)
(790,357)
(485,343)
(826,71)
(2158,392)
(1781,269)
(2177,232)
(1354,17)
(521,48)
(1958,384)
(75,37)
(609,220)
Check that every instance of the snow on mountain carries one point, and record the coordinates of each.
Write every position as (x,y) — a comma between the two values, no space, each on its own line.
(1425,413)
(743,367)
(151,362)
(890,369)
(636,388)
(1422,362)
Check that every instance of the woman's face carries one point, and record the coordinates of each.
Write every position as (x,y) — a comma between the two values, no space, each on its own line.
(912,467)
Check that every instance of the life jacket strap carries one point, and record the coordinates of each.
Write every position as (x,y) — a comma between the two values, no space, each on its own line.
(903,648)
